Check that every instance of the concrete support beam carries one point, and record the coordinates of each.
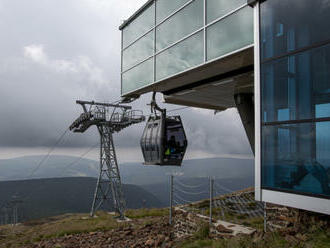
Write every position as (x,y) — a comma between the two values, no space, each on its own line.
(245,107)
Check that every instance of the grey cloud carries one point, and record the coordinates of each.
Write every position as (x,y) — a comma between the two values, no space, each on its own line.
(55,52)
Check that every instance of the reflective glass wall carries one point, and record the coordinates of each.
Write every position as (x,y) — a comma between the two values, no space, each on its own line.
(295,85)
(172,36)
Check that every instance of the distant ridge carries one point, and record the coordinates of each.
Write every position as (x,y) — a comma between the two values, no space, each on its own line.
(132,173)
(50,197)
(55,166)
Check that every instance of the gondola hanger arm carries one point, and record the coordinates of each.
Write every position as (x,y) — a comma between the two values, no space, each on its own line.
(154,105)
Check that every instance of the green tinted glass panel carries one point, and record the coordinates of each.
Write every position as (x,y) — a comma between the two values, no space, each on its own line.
(138,77)
(230,34)
(166,7)
(184,55)
(139,26)
(218,8)
(181,24)
(139,51)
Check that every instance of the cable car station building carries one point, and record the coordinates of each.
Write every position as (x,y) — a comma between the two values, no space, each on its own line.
(270,59)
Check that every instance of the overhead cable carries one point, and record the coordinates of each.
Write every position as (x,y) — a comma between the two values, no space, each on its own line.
(223,187)
(190,193)
(79,158)
(48,154)
(183,200)
(189,186)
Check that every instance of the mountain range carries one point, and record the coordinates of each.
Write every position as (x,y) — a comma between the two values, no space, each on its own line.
(131,173)
(230,174)
(40,198)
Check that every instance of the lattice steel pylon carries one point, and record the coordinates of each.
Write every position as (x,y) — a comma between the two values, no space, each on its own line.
(108,118)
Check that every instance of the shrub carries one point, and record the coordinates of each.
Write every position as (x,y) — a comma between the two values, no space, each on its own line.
(203,232)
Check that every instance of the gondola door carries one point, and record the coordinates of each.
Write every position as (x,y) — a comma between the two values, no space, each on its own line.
(175,141)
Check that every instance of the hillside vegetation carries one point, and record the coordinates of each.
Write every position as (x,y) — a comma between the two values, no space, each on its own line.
(150,228)
(51,197)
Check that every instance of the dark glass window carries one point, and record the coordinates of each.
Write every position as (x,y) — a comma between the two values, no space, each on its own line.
(295,157)
(175,141)
(295,85)
(295,24)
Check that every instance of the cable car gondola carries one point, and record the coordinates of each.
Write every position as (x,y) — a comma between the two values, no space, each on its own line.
(164,140)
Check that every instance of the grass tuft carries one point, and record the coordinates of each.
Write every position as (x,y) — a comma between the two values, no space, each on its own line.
(143,213)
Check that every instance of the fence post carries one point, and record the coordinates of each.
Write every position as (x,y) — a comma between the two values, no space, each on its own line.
(211,199)
(265,217)
(171,199)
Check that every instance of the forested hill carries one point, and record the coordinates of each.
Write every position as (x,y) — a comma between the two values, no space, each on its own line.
(49,197)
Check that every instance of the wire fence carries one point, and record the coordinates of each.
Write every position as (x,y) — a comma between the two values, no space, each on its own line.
(209,196)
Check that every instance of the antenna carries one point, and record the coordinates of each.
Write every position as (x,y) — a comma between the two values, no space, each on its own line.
(109,119)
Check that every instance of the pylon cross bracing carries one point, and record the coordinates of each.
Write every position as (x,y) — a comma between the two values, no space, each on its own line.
(108,119)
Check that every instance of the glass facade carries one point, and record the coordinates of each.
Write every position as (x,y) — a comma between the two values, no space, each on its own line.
(179,57)
(138,76)
(166,8)
(139,51)
(231,34)
(178,35)
(295,96)
(142,24)
(180,25)
(219,8)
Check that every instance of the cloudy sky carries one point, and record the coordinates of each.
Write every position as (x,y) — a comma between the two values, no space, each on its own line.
(53,52)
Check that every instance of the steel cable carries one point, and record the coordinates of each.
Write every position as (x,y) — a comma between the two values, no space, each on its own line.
(42,160)
(172,110)
(183,200)
(190,193)
(189,186)
(48,154)
(79,158)
(223,188)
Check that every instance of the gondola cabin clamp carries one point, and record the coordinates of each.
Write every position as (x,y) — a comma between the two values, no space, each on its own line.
(164,140)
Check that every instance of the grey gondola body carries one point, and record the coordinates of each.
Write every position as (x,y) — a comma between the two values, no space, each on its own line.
(164,141)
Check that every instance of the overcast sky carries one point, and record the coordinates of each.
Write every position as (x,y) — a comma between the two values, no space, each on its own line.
(53,52)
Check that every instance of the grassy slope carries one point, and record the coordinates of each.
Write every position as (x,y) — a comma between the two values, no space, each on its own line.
(31,232)
(68,224)
(311,237)
(317,239)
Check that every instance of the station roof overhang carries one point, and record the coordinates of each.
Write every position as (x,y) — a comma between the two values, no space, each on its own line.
(212,85)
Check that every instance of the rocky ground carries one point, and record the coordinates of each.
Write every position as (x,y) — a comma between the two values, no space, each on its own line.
(145,232)
(156,233)
(149,228)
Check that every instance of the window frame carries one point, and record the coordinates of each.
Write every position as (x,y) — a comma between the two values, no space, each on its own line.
(307,201)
